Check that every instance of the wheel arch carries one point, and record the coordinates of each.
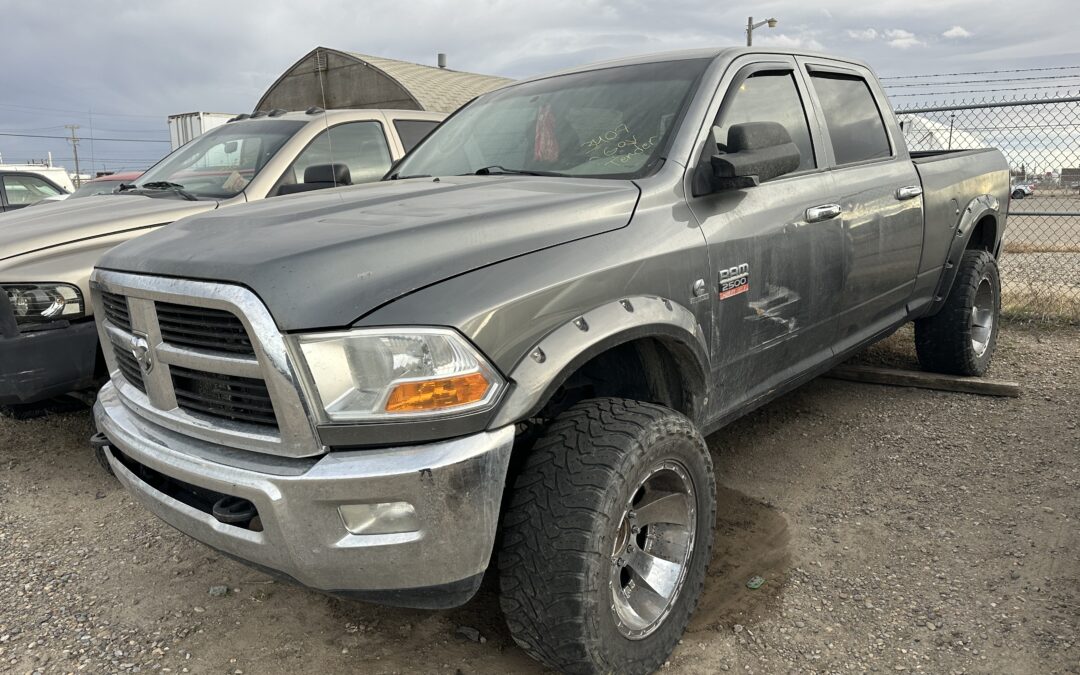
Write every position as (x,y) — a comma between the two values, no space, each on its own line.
(980,226)
(665,337)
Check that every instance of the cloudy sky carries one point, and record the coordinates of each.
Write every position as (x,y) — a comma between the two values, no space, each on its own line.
(121,67)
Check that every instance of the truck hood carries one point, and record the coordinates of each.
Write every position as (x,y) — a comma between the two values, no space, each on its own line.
(325,259)
(46,225)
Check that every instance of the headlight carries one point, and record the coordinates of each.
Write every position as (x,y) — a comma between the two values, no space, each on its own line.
(384,374)
(40,303)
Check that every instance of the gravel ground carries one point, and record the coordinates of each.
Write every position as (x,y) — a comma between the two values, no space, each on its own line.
(897,530)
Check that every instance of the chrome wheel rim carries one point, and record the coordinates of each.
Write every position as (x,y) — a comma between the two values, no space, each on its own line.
(653,544)
(982,317)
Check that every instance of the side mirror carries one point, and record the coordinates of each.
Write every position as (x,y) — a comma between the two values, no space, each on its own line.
(756,152)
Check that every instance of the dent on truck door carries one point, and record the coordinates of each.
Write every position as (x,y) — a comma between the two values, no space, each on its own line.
(776,275)
(882,225)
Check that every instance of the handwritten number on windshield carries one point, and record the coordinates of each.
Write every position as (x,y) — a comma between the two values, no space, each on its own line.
(617,147)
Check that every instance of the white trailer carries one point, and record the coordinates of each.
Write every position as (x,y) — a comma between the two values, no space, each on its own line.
(188,126)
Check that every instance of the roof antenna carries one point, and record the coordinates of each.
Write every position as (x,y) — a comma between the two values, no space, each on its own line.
(326,121)
(442,60)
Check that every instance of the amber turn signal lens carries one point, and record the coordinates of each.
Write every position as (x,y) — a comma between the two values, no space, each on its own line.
(437,394)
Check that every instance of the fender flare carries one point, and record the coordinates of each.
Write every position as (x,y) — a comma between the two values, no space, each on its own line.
(561,352)
(977,209)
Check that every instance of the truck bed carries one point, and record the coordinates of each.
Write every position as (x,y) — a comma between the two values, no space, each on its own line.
(950,179)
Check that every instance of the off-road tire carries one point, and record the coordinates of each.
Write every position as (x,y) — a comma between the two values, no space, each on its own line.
(555,560)
(943,341)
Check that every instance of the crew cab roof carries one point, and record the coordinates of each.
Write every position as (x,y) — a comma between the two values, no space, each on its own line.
(706,53)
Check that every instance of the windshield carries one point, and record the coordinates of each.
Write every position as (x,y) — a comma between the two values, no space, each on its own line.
(221,162)
(610,123)
(96,187)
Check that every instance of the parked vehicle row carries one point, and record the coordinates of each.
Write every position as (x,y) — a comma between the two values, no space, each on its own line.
(509,350)
(48,252)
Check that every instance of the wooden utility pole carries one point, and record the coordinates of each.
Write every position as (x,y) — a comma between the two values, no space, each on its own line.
(75,150)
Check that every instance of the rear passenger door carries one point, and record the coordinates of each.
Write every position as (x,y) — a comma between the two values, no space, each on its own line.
(882,224)
(776,279)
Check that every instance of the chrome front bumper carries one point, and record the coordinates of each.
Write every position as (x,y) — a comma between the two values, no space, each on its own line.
(455,487)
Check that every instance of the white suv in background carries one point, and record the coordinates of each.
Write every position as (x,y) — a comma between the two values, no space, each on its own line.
(1021,190)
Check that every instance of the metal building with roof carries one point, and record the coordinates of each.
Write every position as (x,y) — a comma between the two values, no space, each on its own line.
(331,78)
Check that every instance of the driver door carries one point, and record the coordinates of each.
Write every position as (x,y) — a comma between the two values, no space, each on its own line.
(775,248)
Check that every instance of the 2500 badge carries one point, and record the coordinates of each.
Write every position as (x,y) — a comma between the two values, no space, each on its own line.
(734,280)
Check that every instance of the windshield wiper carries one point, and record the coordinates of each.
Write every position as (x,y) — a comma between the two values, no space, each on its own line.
(124,187)
(415,175)
(496,170)
(166,185)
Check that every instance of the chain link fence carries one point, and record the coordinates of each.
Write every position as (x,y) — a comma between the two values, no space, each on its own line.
(1040,262)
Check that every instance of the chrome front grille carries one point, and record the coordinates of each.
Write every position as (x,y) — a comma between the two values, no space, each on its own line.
(202,359)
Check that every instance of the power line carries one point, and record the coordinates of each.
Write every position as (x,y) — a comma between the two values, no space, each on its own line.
(117,140)
(76,112)
(981,72)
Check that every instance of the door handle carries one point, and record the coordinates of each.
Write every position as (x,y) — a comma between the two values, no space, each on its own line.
(908,192)
(823,212)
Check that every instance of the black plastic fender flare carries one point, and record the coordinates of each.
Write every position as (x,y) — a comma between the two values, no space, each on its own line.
(561,352)
(976,210)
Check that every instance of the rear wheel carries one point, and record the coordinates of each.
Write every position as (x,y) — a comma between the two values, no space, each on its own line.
(1018,194)
(960,339)
(607,538)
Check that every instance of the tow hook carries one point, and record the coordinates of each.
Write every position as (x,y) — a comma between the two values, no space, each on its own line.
(99,442)
(236,511)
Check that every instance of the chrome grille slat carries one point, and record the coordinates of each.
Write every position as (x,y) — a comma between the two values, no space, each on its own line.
(130,368)
(235,398)
(116,310)
(203,327)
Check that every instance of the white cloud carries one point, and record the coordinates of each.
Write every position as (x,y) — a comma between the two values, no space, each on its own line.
(864,35)
(785,41)
(957,32)
(902,39)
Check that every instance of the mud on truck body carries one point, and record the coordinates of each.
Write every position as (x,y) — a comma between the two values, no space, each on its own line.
(509,351)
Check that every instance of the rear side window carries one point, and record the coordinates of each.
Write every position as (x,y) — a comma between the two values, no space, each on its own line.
(26,190)
(768,97)
(855,125)
(412,132)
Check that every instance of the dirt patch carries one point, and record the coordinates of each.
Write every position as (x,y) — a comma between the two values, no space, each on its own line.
(752,540)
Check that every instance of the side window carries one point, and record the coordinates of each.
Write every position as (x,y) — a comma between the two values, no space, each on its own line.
(412,132)
(855,125)
(769,97)
(361,146)
(26,190)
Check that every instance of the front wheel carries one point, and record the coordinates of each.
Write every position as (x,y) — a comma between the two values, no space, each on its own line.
(960,339)
(607,538)
(1018,194)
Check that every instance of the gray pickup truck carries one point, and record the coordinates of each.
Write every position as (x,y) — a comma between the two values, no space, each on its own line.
(48,343)
(509,352)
